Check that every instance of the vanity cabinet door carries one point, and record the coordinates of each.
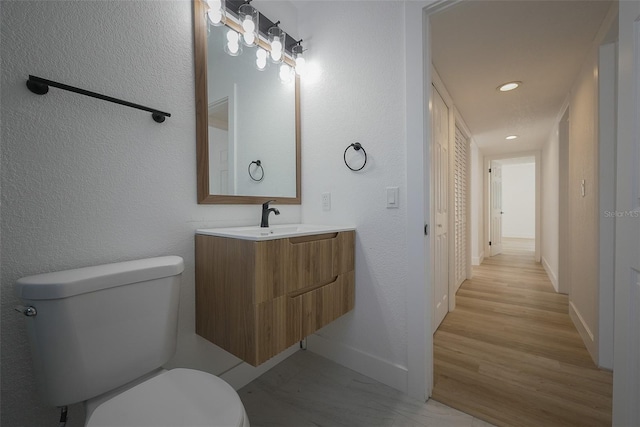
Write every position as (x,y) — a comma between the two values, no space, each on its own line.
(325,304)
(274,329)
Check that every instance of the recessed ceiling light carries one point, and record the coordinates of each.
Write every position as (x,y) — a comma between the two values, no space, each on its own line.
(506,87)
(510,137)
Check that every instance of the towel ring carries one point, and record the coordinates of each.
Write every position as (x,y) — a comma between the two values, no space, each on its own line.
(258,165)
(357,147)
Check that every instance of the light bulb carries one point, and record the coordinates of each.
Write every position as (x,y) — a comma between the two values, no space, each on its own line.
(232,36)
(215,16)
(261,63)
(248,25)
(216,12)
(276,38)
(233,47)
(285,73)
(261,54)
(249,38)
(276,55)
(276,44)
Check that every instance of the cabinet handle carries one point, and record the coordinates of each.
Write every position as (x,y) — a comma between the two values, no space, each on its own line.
(312,288)
(312,238)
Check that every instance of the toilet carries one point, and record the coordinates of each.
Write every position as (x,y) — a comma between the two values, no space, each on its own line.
(100,335)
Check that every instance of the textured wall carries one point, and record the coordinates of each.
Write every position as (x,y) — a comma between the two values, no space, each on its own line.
(355,92)
(86,182)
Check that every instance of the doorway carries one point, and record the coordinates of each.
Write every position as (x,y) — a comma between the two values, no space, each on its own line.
(513,200)
(512,203)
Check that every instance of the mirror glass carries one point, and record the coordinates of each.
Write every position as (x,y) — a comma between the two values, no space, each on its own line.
(248,146)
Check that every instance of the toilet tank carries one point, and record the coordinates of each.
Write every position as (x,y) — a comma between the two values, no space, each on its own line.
(98,328)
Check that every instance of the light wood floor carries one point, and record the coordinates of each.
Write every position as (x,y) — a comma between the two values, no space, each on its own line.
(509,353)
(307,390)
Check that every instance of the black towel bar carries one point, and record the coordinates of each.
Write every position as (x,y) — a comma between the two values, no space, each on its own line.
(40,86)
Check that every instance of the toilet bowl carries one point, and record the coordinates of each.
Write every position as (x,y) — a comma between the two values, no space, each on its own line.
(100,335)
(179,397)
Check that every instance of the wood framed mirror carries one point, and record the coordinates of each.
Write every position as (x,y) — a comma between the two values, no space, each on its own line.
(247,124)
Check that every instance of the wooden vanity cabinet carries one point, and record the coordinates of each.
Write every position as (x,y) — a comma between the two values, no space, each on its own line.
(257,298)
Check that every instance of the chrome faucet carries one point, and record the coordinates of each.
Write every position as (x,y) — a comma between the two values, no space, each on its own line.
(266,210)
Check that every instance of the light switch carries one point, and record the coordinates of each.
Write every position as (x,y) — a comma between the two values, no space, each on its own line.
(392,197)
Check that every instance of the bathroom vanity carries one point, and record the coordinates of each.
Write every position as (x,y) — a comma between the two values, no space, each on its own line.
(261,290)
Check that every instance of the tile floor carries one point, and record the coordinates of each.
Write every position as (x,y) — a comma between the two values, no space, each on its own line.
(309,390)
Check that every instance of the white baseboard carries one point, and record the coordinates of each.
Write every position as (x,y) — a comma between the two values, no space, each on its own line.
(552,274)
(584,331)
(477,260)
(367,364)
(243,374)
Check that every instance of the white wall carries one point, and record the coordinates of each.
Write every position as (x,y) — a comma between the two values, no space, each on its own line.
(550,205)
(350,98)
(519,200)
(86,182)
(477,205)
(586,290)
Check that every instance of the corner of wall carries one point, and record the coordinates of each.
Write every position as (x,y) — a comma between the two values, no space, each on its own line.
(553,275)
(584,331)
(386,372)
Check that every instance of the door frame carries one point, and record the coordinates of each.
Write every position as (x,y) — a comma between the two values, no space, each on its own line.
(626,372)
(420,217)
(487,196)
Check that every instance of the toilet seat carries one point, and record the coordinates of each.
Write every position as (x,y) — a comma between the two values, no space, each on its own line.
(178,397)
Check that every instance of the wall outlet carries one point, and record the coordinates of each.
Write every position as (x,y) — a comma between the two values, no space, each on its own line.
(326,201)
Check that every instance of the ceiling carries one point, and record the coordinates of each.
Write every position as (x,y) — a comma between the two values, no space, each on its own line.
(478,45)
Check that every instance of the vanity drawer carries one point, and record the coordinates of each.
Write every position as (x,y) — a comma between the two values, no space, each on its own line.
(321,306)
(318,259)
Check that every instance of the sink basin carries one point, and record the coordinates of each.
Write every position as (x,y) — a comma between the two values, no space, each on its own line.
(273,232)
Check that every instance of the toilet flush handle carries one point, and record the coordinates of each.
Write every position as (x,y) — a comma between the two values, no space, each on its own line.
(28,311)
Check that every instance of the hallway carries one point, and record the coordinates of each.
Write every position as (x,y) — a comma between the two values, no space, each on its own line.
(509,353)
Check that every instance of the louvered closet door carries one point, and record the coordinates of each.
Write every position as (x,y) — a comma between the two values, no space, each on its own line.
(461,192)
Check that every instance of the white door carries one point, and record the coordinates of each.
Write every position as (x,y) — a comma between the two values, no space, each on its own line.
(219,147)
(440,167)
(460,195)
(496,208)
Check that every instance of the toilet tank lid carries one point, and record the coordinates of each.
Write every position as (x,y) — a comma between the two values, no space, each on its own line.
(63,284)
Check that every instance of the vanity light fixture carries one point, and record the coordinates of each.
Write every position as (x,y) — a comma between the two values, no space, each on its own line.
(250,20)
(217,12)
(248,27)
(506,87)
(299,60)
(276,38)
(232,43)
(511,137)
